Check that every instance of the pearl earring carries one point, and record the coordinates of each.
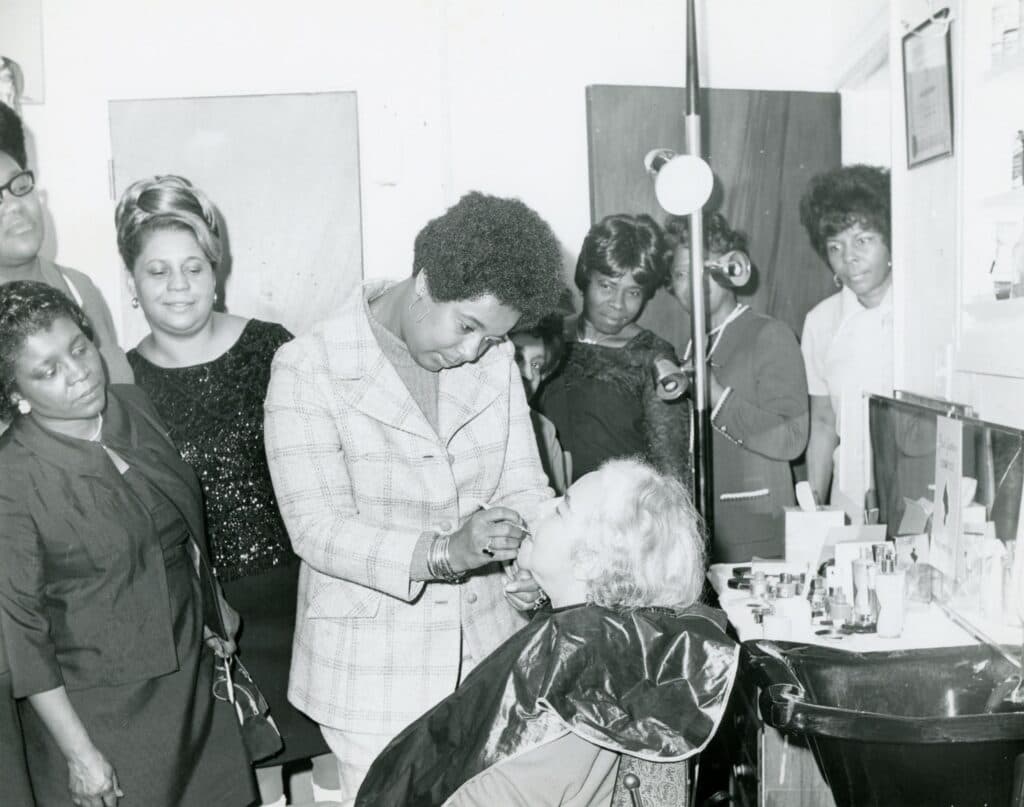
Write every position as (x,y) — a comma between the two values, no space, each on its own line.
(135,302)
(24,407)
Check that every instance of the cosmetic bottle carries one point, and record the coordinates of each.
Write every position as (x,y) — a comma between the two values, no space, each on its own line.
(839,610)
(759,585)
(796,609)
(865,599)
(890,588)
(818,601)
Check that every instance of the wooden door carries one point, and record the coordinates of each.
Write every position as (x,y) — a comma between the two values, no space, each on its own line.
(283,171)
(763,147)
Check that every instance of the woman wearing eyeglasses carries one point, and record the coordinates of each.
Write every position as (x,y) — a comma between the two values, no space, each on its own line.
(21,237)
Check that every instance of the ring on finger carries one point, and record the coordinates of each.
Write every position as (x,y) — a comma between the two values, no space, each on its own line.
(488,550)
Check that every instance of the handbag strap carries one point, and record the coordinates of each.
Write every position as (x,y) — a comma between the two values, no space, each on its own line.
(199,560)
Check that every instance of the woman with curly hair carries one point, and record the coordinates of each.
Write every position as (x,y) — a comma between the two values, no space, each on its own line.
(847,341)
(109,629)
(207,371)
(627,666)
(758,400)
(602,400)
(404,461)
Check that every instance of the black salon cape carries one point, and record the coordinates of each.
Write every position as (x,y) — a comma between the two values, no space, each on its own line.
(652,683)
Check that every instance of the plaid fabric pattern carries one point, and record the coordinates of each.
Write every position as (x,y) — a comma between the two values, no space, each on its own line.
(359,475)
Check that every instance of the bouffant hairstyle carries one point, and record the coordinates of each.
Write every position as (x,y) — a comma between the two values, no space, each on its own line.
(618,245)
(837,199)
(718,236)
(12,136)
(490,245)
(27,307)
(644,547)
(165,203)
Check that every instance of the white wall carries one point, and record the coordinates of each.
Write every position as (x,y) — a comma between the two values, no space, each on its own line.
(453,94)
(866,126)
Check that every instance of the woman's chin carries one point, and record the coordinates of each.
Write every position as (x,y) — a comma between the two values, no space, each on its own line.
(608,327)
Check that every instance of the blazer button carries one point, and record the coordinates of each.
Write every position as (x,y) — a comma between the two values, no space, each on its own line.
(451,458)
(471,598)
(446,526)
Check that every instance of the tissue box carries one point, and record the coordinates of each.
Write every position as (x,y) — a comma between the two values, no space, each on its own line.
(806,531)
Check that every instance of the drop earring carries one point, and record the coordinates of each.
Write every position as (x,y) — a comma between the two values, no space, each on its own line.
(420,288)
(24,407)
(426,309)
(837,282)
(135,302)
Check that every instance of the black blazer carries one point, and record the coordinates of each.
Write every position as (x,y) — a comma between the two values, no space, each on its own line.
(83,588)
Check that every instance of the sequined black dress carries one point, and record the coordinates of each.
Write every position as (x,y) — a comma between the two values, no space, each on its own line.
(214,412)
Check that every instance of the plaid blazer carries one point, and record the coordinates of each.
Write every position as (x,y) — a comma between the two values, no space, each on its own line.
(360,474)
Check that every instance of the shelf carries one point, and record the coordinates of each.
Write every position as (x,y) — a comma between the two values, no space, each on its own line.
(1010,198)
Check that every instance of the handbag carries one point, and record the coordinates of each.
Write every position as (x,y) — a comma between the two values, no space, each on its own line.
(260,735)
(232,683)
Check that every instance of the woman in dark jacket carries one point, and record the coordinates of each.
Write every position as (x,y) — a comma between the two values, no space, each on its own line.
(103,614)
(759,404)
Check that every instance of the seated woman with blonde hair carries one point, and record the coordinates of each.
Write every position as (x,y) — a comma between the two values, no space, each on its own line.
(625,663)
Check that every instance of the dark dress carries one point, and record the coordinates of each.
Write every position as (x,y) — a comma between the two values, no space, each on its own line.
(759,427)
(98,594)
(214,412)
(14,781)
(603,404)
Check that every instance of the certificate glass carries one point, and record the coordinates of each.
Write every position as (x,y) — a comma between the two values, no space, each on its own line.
(928,91)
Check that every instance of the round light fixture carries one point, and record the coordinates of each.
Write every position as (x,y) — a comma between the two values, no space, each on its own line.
(682,183)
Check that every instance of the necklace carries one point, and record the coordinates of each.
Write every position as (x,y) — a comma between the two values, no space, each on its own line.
(600,339)
(716,332)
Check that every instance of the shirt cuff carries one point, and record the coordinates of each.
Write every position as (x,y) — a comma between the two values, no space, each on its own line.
(418,567)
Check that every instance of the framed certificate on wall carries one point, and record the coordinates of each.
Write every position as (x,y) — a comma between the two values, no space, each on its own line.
(928,90)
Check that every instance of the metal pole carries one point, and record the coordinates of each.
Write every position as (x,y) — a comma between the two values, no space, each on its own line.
(703,474)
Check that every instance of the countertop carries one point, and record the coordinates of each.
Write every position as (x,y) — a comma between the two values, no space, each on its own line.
(925,625)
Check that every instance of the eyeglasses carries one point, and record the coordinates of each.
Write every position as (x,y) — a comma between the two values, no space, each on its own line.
(20,184)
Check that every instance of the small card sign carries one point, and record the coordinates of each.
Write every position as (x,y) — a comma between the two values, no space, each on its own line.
(947,504)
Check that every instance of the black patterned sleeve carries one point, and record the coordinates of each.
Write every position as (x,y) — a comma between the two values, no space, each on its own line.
(274,335)
(666,423)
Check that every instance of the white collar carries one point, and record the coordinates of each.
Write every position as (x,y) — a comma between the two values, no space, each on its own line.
(850,305)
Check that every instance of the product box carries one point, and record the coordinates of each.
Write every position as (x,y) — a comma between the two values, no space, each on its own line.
(806,531)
